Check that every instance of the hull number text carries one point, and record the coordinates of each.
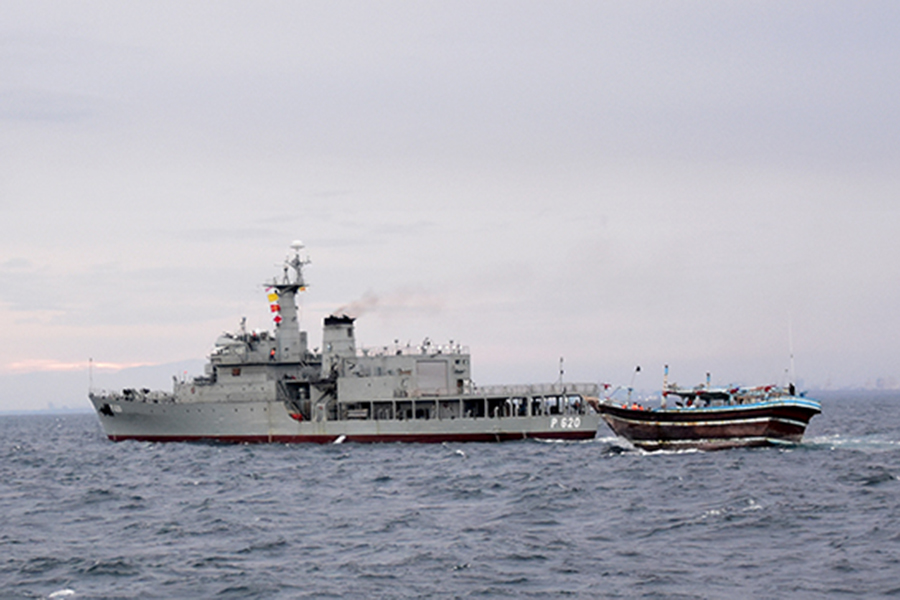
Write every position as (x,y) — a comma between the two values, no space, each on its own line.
(565,422)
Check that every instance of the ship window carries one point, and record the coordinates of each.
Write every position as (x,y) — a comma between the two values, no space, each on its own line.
(473,408)
(350,332)
(404,410)
(496,407)
(424,409)
(383,410)
(449,409)
(236,372)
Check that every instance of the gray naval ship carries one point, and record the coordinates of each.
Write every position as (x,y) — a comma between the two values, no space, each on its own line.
(267,386)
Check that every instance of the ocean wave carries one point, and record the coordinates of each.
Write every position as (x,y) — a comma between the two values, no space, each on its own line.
(522,519)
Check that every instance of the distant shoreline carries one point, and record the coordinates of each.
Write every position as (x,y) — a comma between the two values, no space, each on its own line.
(47,411)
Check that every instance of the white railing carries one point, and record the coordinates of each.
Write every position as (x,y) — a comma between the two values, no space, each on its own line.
(538,389)
(134,395)
(427,350)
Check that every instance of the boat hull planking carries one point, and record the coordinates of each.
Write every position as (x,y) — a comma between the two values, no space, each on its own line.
(774,422)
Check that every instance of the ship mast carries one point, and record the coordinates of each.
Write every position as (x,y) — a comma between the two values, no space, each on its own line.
(290,345)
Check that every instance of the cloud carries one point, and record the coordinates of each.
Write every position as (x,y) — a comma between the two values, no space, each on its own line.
(46,105)
(621,183)
(50,365)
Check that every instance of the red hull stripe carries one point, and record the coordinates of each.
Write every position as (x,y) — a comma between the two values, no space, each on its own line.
(327,439)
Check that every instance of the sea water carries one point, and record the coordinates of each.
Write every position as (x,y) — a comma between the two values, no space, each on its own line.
(83,517)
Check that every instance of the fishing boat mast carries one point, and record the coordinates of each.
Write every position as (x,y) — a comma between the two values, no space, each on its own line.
(665,386)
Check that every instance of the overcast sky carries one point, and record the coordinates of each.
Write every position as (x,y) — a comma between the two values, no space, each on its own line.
(702,184)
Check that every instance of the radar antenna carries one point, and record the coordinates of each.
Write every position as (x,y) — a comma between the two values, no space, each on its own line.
(296,263)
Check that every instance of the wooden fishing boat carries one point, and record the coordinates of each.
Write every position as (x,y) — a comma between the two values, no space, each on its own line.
(711,419)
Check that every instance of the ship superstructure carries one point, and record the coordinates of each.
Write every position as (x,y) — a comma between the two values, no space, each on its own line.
(264,386)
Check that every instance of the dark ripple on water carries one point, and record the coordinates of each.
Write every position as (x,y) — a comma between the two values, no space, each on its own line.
(85,518)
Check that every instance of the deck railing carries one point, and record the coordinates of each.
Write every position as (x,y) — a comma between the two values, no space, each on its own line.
(425,350)
(538,389)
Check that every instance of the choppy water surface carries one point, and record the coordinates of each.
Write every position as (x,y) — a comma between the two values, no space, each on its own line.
(82,517)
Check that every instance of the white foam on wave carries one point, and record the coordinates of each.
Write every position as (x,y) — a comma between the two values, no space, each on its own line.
(749,505)
(668,451)
(593,440)
(64,593)
(837,441)
(608,439)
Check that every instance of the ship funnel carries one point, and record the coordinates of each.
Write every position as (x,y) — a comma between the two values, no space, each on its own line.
(338,341)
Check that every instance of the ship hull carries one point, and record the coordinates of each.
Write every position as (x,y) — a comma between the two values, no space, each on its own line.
(775,422)
(270,422)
